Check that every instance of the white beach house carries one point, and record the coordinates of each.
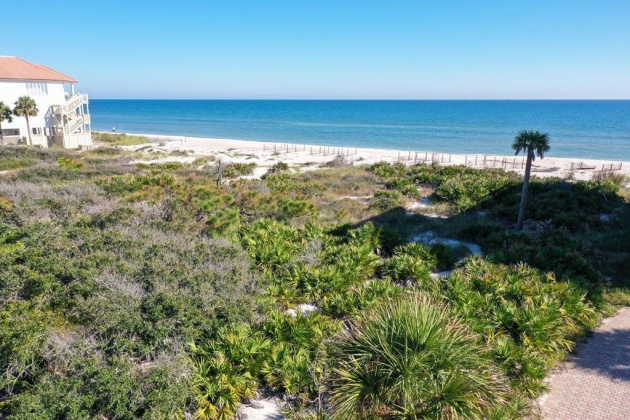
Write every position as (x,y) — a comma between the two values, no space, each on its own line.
(63,118)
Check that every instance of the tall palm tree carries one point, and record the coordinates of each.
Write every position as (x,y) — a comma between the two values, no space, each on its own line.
(5,114)
(26,107)
(535,144)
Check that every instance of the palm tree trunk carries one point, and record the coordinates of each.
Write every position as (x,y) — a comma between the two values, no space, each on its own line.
(525,193)
(28,128)
(1,135)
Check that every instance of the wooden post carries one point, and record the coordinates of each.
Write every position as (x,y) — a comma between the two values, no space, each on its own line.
(415,157)
(466,160)
(484,161)
(398,156)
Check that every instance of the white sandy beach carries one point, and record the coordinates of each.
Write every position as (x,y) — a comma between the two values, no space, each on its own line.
(266,154)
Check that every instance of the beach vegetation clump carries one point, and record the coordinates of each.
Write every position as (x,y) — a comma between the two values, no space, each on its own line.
(69,164)
(528,319)
(236,169)
(462,188)
(279,167)
(121,139)
(18,157)
(412,357)
(386,200)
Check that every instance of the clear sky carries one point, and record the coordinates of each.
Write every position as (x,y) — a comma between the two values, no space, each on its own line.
(446,49)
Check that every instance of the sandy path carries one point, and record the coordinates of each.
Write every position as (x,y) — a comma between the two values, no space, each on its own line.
(260,409)
(595,383)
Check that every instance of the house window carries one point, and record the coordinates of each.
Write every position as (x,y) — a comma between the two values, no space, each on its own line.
(37,89)
(37,131)
(11,132)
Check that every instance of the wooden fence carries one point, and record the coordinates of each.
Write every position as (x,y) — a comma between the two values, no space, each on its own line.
(475,161)
(313,150)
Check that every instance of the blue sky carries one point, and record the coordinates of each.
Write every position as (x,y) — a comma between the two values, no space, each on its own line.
(391,49)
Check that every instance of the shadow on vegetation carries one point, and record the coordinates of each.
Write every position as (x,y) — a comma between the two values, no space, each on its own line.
(580,231)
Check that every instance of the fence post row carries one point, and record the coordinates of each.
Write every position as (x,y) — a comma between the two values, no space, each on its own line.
(435,157)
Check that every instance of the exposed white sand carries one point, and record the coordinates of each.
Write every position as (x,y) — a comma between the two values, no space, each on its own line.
(260,409)
(266,154)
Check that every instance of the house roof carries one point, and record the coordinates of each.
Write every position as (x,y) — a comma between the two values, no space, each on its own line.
(17,69)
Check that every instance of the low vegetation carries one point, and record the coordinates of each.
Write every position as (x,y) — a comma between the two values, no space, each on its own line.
(136,291)
(121,139)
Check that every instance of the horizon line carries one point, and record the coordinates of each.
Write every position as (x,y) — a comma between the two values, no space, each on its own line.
(362,99)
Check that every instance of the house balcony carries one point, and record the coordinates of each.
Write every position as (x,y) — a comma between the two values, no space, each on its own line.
(71,105)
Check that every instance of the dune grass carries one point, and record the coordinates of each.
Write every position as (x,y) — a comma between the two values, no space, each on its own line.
(118,139)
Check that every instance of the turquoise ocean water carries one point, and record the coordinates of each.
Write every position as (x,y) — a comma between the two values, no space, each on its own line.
(586,129)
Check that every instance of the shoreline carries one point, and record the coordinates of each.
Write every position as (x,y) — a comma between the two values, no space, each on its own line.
(306,156)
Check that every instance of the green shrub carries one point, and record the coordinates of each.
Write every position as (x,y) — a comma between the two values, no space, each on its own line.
(118,139)
(529,320)
(279,167)
(234,170)
(412,358)
(226,371)
(69,164)
(272,244)
(385,200)
(294,358)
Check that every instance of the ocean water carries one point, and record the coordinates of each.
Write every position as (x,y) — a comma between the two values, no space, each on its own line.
(586,129)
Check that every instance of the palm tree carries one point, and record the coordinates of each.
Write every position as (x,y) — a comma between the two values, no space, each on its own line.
(411,358)
(535,144)
(26,107)
(5,114)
